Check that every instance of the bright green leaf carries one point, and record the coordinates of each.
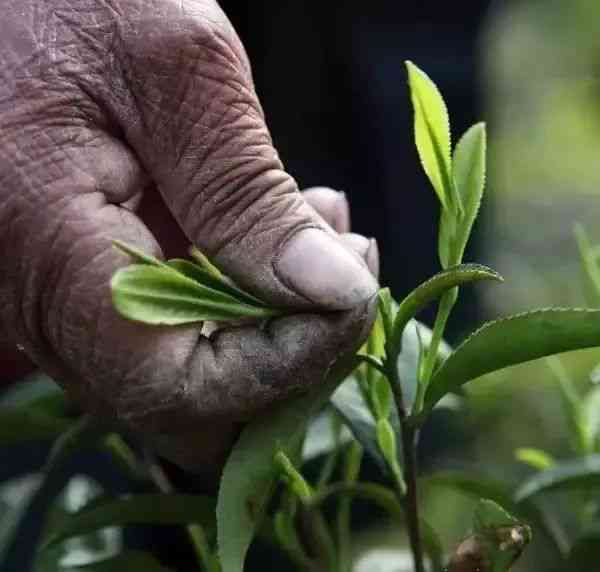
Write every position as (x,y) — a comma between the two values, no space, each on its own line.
(535,458)
(582,473)
(154,509)
(250,474)
(469,178)
(162,296)
(138,255)
(432,132)
(514,340)
(432,289)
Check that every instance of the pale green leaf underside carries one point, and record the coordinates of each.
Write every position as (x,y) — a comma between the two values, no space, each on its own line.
(432,132)
(514,340)
(578,473)
(155,509)
(250,473)
(163,296)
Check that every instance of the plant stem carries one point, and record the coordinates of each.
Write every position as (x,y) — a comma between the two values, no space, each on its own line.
(410,470)
(444,309)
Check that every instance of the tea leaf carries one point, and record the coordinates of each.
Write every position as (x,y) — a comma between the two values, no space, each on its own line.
(514,340)
(468,167)
(162,296)
(208,279)
(489,514)
(535,458)
(432,133)
(155,509)
(589,266)
(250,475)
(349,401)
(432,289)
(138,255)
(582,473)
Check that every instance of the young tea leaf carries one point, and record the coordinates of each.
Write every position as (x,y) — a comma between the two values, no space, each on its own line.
(432,133)
(250,473)
(468,167)
(514,340)
(162,296)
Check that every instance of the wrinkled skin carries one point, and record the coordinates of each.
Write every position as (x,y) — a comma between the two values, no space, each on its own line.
(104,103)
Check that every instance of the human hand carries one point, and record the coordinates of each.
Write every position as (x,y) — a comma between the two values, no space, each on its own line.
(101,103)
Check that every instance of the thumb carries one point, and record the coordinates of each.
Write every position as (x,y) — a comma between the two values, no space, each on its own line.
(195,122)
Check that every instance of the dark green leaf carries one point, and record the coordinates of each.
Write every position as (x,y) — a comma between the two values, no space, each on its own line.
(155,509)
(250,473)
(582,473)
(432,132)
(513,340)
(163,296)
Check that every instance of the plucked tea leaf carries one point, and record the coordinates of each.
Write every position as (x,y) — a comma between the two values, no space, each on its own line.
(138,255)
(250,473)
(581,473)
(162,296)
(155,509)
(514,340)
(208,279)
(432,133)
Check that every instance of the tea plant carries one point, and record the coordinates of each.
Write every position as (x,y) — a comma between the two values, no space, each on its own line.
(372,405)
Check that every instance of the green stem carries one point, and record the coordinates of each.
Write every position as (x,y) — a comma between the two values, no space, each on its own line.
(444,309)
(410,470)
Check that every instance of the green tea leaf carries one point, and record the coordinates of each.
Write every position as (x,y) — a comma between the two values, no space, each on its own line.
(208,279)
(582,473)
(514,340)
(468,167)
(138,255)
(432,133)
(155,509)
(205,263)
(349,401)
(162,296)
(250,475)
(489,514)
(432,289)
(535,458)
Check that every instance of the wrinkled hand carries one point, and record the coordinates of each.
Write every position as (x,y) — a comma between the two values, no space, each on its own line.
(103,102)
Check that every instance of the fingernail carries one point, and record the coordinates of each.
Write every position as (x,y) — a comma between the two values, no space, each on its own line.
(341,218)
(372,258)
(316,266)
